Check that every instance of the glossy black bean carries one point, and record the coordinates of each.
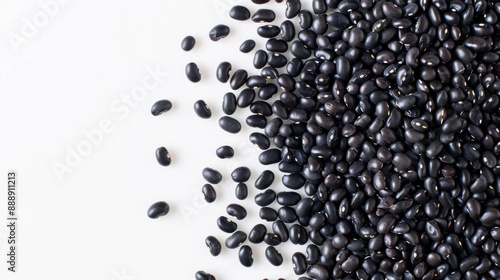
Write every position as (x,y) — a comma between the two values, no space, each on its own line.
(305,19)
(263,15)
(163,156)
(245,98)
(317,271)
(268,214)
(160,107)
(188,43)
(247,46)
(202,110)
(222,73)
(287,31)
(268,31)
(245,256)
(229,124)
(227,225)
(235,239)
(209,193)
(158,209)
(202,275)
(236,210)
(273,256)
(192,72)
(293,8)
(288,198)
(257,121)
(257,233)
(241,174)
(218,32)
(276,60)
(276,45)
(293,181)
(260,2)
(239,13)
(213,245)
(298,234)
(299,263)
(265,198)
(238,79)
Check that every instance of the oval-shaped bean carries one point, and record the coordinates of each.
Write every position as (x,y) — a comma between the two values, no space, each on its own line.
(265,198)
(245,256)
(202,110)
(241,191)
(222,73)
(226,225)
(229,124)
(273,256)
(263,15)
(209,193)
(163,156)
(213,245)
(224,152)
(299,263)
(265,179)
(218,32)
(211,175)
(241,174)
(202,275)
(247,46)
(239,12)
(268,214)
(293,8)
(236,210)
(160,107)
(317,271)
(238,79)
(235,239)
(158,209)
(188,43)
(257,233)
(192,72)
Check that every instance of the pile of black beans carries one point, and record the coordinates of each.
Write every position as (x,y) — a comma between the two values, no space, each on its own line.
(387,118)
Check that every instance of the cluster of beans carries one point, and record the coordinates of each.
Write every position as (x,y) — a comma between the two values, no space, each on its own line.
(387,117)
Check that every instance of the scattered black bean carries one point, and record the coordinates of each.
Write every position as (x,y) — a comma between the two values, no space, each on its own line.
(222,73)
(247,46)
(263,15)
(239,13)
(209,193)
(202,275)
(213,245)
(158,209)
(236,210)
(163,156)
(236,239)
(188,43)
(229,124)
(202,110)
(224,152)
(192,72)
(160,107)
(245,256)
(273,256)
(227,225)
(211,175)
(218,32)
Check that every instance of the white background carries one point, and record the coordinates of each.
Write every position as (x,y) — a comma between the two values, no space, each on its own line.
(66,69)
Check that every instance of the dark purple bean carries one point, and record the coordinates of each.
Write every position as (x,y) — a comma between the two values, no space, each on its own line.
(235,239)
(236,210)
(158,209)
(213,245)
(192,72)
(209,193)
(218,32)
(188,43)
(273,256)
(202,110)
(163,156)
(229,124)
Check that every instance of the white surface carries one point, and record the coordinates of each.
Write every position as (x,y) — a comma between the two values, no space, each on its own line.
(61,76)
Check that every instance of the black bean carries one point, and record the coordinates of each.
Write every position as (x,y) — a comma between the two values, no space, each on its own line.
(265,198)
(229,124)
(305,19)
(263,15)
(257,233)
(158,209)
(265,179)
(245,256)
(235,239)
(317,271)
(229,103)
(270,156)
(209,193)
(293,8)
(268,31)
(192,72)
(222,72)
(273,256)
(236,210)
(202,275)
(299,263)
(160,107)
(163,156)
(287,31)
(247,46)
(224,152)
(213,245)
(239,13)
(276,45)
(272,239)
(288,198)
(238,79)
(268,214)
(350,264)
(218,32)
(202,110)
(211,175)
(241,191)
(245,98)
(188,43)
(259,2)
(225,224)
